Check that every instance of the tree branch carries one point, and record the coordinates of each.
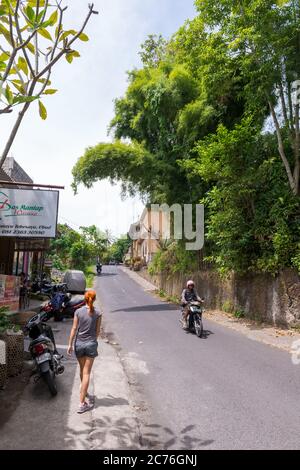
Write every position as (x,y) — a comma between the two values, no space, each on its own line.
(6,110)
(24,44)
(290,101)
(46,70)
(283,105)
(281,150)
(297,149)
(67,48)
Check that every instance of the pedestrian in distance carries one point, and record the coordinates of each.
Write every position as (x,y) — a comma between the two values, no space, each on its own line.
(85,333)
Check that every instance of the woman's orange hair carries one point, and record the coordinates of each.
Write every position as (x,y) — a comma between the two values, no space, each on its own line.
(90,297)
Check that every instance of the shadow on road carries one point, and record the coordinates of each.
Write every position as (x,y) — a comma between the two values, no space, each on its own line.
(122,434)
(148,308)
(109,401)
(205,334)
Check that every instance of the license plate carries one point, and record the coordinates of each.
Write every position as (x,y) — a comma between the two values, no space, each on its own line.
(43,358)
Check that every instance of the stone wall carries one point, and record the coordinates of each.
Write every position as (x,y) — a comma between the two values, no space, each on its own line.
(275,300)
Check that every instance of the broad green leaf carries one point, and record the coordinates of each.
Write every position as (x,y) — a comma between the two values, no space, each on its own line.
(22,65)
(45,34)
(2,66)
(75,54)
(9,95)
(40,16)
(34,3)
(65,34)
(83,37)
(4,56)
(9,7)
(53,18)
(69,58)
(44,80)
(24,99)
(50,91)
(31,48)
(18,85)
(5,33)
(42,110)
(30,13)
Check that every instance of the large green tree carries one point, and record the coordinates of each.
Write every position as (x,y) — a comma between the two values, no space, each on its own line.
(211,117)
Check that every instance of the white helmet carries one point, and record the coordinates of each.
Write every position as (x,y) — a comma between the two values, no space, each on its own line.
(190,283)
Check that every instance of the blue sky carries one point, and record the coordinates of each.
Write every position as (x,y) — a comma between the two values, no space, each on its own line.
(78,116)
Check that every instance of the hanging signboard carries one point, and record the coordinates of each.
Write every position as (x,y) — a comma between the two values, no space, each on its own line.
(28,213)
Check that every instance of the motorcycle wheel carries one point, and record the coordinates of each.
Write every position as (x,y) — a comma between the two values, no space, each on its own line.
(198,325)
(49,378)
(58,316)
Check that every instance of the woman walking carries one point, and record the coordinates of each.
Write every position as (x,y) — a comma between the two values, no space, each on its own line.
(85,331)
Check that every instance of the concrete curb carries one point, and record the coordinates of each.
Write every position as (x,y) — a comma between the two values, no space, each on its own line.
(146,285)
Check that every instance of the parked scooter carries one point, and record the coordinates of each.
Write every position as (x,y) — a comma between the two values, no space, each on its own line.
(42,349)
(47,288)
(63,305)
(194,321)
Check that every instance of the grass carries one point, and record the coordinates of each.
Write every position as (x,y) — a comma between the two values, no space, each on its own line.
(168,298)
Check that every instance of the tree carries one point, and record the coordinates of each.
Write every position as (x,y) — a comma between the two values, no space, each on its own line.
(163,113)
(211,117)
(32,40)
(153,50)
(263,39)
(96,238)
(119,248)
(72,249)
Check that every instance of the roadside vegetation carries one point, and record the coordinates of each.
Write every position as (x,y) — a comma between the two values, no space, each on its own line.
(211,117)
(81,249)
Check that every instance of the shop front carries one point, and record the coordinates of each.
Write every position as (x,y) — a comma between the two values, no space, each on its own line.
(9,292)
(28,220)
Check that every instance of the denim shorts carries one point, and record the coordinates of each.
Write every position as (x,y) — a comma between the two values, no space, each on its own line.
(89,349)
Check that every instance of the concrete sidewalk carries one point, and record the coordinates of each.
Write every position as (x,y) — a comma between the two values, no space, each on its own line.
(38,421)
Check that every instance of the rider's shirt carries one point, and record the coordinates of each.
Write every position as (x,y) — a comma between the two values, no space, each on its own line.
(189,295)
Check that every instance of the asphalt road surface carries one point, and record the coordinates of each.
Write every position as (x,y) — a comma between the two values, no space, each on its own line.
(224,391)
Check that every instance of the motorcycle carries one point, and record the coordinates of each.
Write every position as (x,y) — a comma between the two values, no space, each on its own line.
(63,305)
(99,269)
(194,321)
(42,349)
(47,288)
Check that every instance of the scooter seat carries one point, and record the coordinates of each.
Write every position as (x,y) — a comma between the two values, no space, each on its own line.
(75,300)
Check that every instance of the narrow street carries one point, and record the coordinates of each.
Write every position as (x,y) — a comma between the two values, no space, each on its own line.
(158,387)
(222,392)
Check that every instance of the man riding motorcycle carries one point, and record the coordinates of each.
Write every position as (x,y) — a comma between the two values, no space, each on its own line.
(188,295)
(98,267)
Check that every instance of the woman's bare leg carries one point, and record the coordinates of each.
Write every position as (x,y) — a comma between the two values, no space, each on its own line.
(81,361)
(86,373)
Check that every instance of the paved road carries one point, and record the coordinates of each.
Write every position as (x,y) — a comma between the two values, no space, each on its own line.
(222,392)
